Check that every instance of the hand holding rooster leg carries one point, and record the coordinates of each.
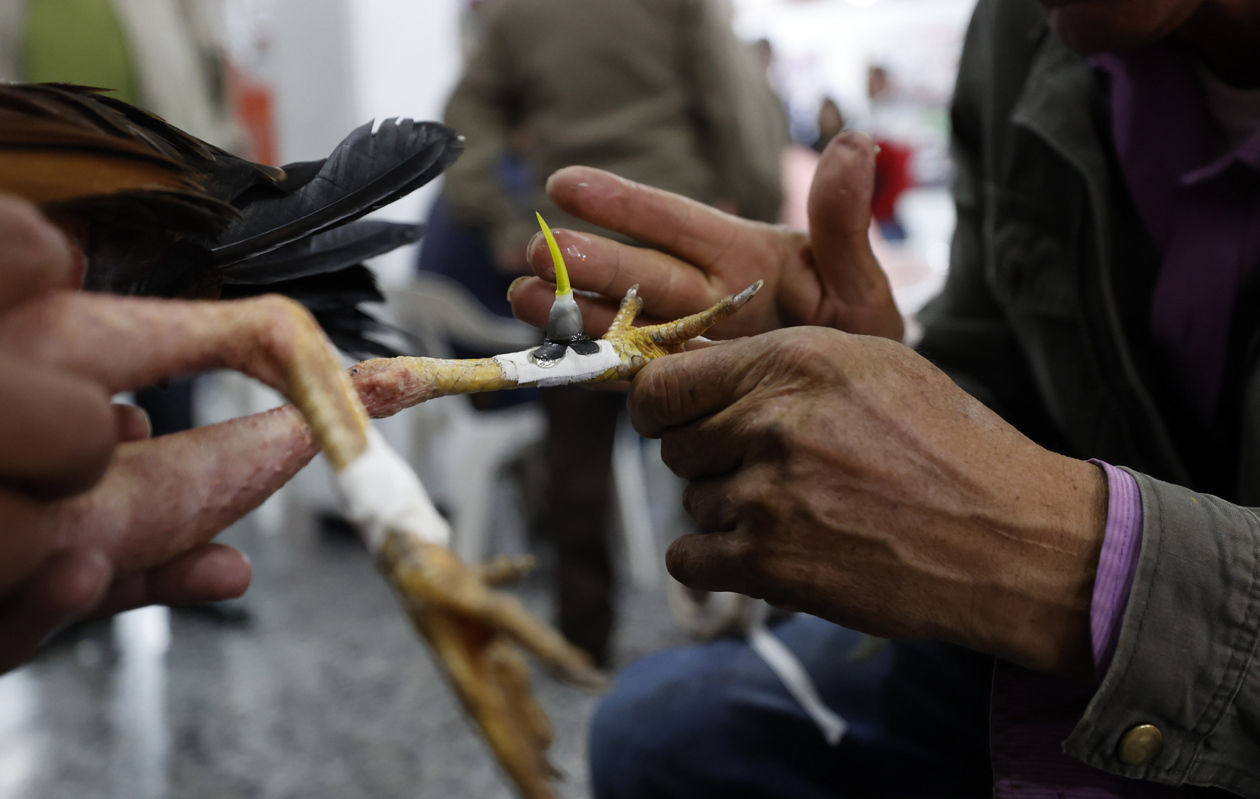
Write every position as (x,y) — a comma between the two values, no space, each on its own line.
(58,434)
(827,277)
(159,500)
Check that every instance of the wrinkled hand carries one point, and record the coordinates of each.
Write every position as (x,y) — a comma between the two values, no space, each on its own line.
(846,477)
(58,436)
(828,277)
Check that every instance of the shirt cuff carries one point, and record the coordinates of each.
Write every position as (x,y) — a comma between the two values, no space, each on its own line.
(1122,543)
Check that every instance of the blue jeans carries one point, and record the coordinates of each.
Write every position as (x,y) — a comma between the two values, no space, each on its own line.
(713,721)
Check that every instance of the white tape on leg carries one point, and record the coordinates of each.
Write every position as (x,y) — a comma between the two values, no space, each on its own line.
(572,368)
(383,493)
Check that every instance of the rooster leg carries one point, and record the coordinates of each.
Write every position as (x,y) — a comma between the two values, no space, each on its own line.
(276,341)
(388,385)
(473,629)
(505,571)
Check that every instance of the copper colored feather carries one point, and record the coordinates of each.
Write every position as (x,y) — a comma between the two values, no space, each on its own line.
(65,147)
(162,213)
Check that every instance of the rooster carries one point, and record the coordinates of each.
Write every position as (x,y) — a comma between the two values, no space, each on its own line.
(161,214)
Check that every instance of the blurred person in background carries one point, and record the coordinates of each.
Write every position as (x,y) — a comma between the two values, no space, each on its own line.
(165,57)
(1104,298)
(800,162)
(889,118)
(659,91)
(830,123)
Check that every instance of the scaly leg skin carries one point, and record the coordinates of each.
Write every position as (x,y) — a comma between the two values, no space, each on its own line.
(388,385)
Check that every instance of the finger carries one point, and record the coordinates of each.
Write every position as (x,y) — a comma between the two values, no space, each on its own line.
(67,586)
(840,196)
(682,227)
(839,226)
(616,386)
(709,505)
(670,287)
(706,448)
(131,423)
(680,389)
(208,573)
(34,256)
(57,432)
(710,562)
(26,541)
(532,297)
(271,338)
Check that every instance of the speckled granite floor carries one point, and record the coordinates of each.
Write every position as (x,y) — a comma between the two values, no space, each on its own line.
(322,691)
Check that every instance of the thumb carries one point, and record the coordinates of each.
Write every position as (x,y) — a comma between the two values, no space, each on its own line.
(67,586)
(839,229)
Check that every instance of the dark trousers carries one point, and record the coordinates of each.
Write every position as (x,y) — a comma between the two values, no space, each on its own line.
(582,426)
(713,721)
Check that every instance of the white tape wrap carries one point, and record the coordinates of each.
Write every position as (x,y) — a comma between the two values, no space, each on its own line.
(572,368)
(383,493)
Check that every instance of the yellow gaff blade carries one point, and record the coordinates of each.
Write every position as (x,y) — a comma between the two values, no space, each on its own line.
(562,273)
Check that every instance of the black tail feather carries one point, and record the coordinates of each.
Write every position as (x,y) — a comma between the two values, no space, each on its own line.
(169,215)
(324,252)
(334,299)
(367,171)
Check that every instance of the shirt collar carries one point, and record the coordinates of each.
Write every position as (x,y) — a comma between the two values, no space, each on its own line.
(1158,87)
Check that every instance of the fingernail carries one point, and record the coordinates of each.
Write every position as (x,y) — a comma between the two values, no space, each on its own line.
(132,423)
(143,422)
(533,245)
(538,242)
(512,287)
(572,252)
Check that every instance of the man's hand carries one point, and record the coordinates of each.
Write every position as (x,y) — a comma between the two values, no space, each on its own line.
(58,435)
(847,477)
(828,277)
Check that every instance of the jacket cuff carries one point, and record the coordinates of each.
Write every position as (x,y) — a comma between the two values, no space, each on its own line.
(1185,662)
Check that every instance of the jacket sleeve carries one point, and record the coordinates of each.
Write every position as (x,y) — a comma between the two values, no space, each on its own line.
(1186,661)
(746,133)
(482,109)
(966,330)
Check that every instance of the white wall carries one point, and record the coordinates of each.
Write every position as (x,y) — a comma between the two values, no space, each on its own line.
(336,64)
(836,40)
(310,66)
(406,60)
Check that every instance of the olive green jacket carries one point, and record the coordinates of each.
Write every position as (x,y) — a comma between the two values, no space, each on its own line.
(1044,318)
(657,91)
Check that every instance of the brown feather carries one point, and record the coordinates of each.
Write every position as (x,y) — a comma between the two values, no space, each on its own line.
(162,213)
(52,176)
(62,145)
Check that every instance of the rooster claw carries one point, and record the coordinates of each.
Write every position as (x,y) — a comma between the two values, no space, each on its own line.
(478,634)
